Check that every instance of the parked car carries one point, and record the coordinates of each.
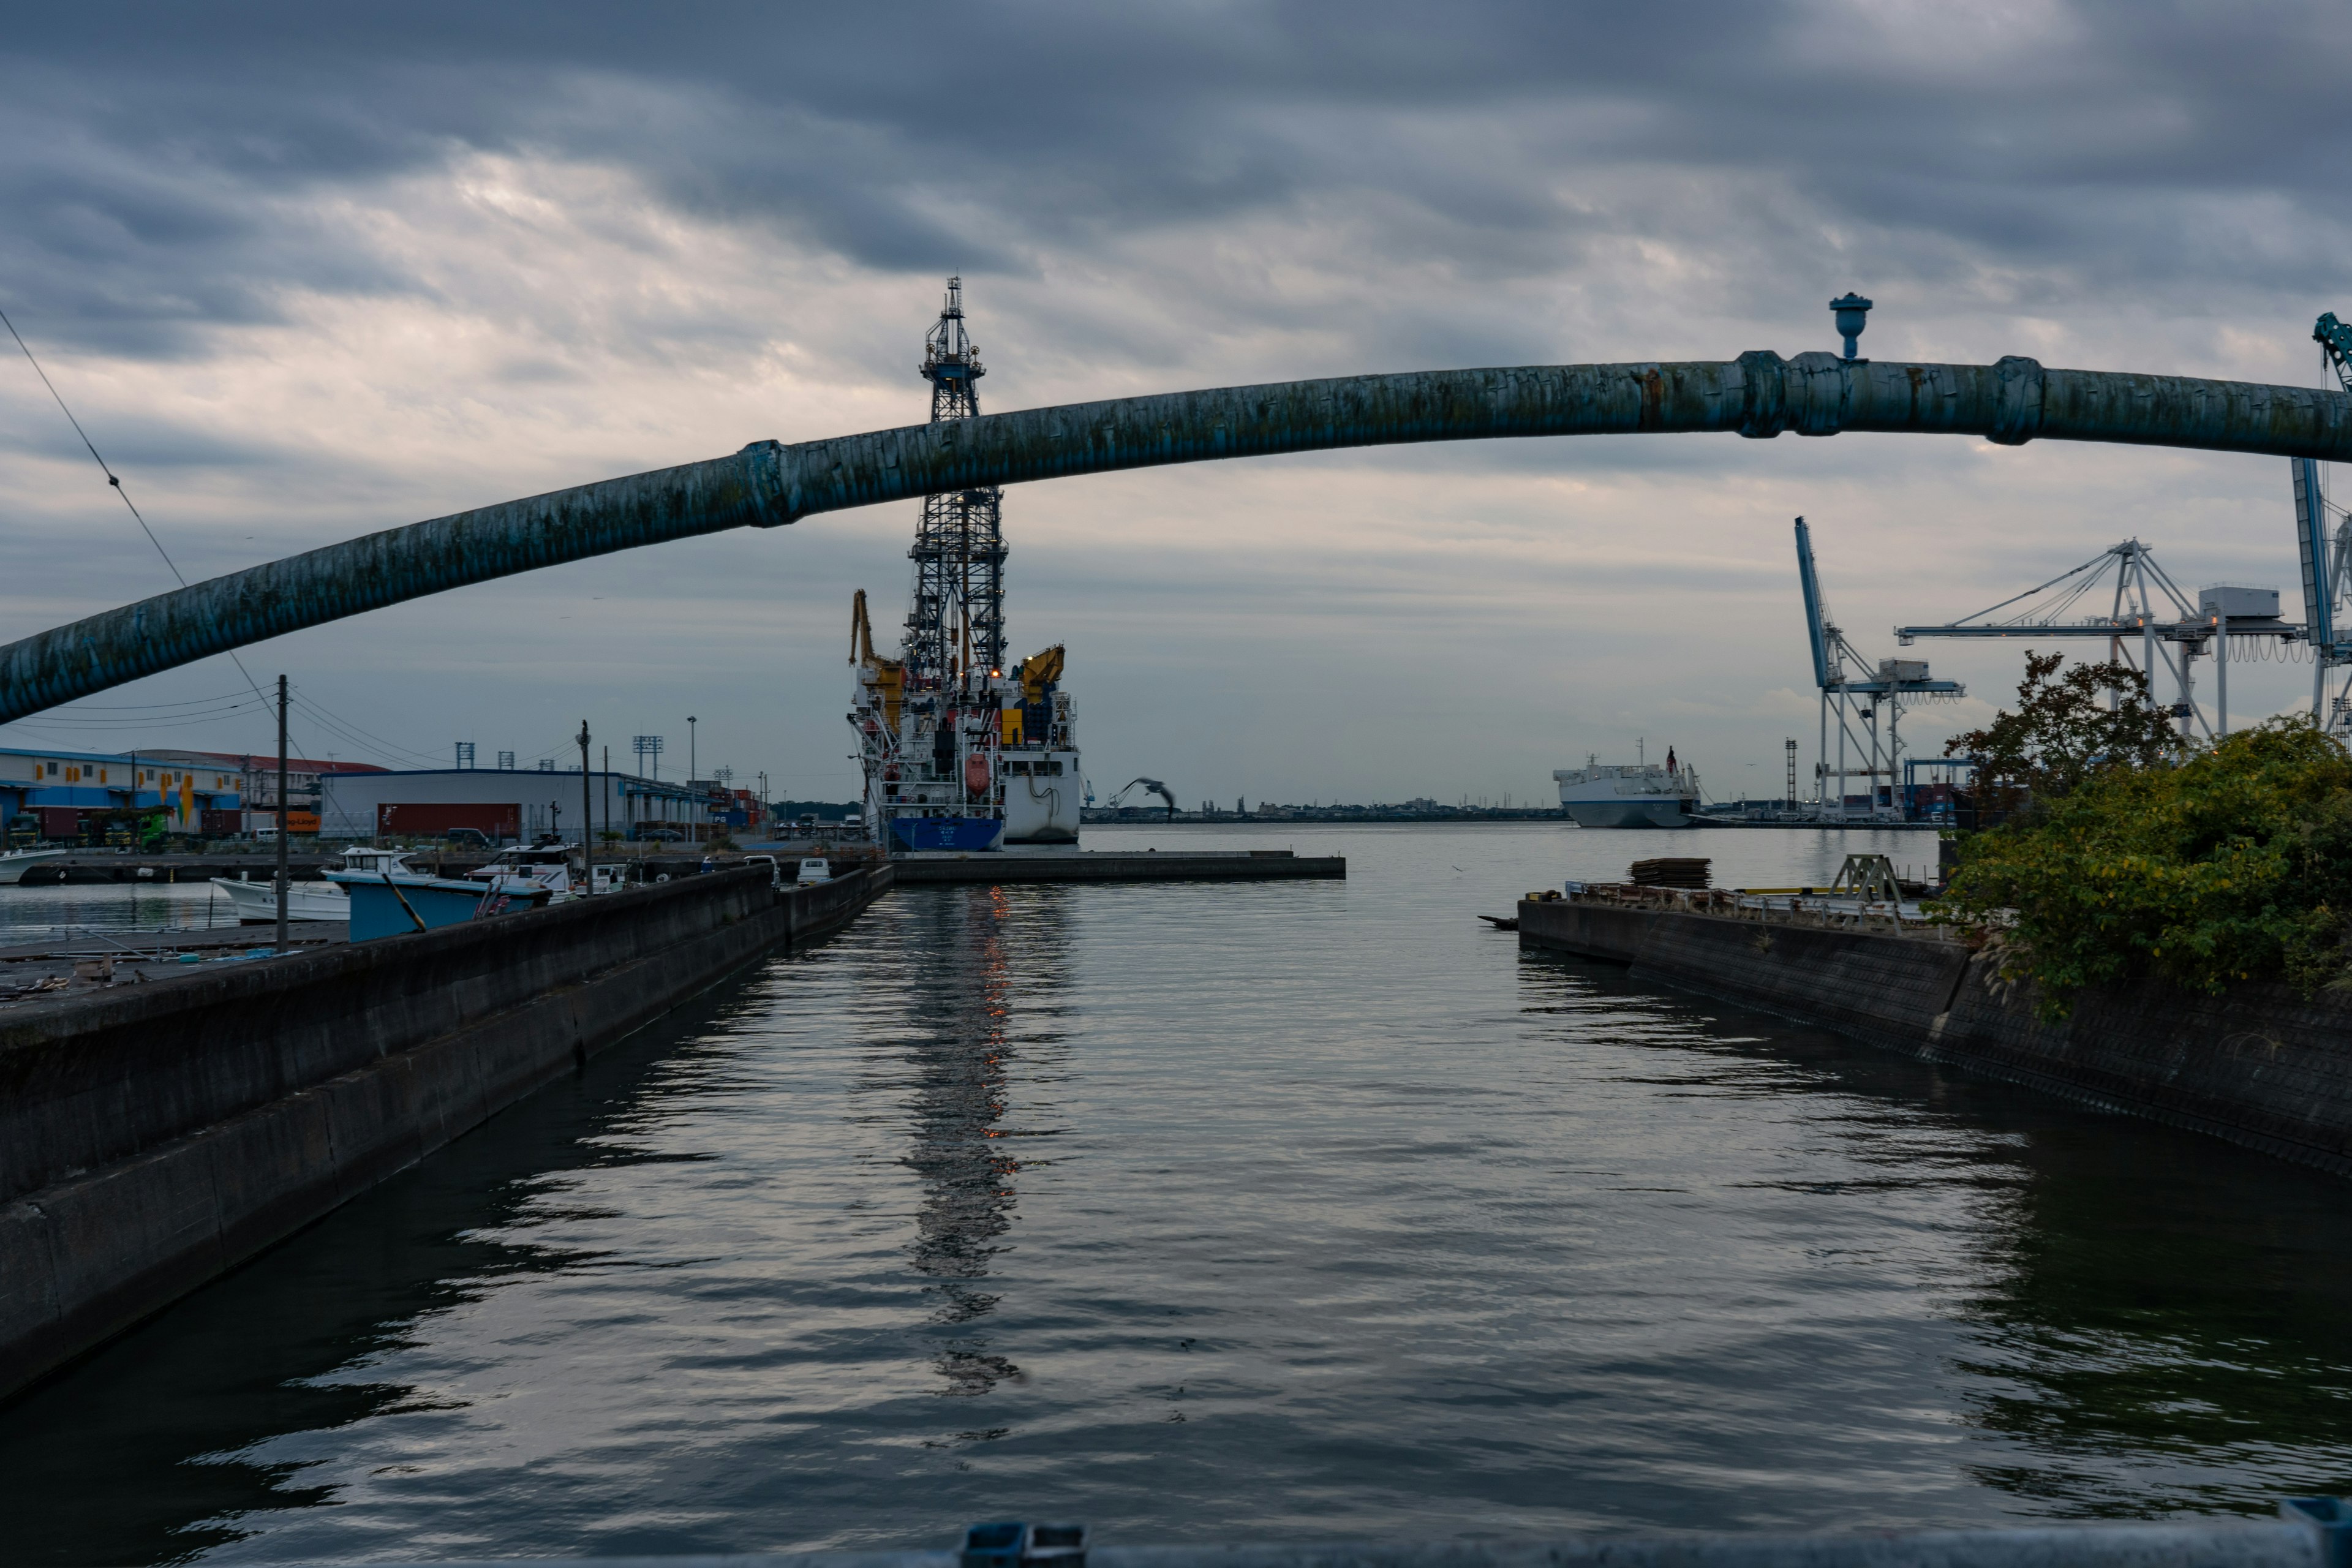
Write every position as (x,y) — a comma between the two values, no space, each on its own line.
(660,835)
(467,838)
(814,870)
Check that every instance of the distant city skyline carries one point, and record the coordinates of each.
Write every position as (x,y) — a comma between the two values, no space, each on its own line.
(310,276)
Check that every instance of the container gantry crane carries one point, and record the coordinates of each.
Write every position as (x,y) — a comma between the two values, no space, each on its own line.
(1858,691)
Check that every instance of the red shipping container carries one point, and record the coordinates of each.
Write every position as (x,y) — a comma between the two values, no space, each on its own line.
(61,822)
(219,824)
(431,820)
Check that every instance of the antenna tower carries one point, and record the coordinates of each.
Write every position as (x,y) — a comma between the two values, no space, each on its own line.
(957,625)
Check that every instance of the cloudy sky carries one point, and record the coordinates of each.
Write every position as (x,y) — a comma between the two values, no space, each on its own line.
(305,273)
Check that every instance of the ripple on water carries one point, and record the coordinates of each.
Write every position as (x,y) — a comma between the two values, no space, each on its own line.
(1202,1211)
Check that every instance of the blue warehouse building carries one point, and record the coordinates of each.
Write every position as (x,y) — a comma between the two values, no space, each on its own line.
(60,790)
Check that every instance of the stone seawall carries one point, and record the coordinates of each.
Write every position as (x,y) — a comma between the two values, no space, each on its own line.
(2260,1066)
(154,1136)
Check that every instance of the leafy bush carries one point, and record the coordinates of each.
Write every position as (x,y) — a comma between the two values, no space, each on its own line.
(2068,729)
(2233,864)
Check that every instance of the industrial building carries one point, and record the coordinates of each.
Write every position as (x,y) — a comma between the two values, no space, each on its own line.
(510,804)
(256,777)
(66,793)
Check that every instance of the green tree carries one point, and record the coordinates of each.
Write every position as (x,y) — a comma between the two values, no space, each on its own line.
(2236,863)
(2067,727)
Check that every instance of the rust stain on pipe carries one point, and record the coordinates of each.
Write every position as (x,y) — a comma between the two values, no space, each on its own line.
(1759,394)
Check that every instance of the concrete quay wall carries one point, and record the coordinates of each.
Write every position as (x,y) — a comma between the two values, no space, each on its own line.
(154,1136)
(2260,1066)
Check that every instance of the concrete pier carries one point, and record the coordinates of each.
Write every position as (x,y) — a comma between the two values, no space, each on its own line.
(1118,865)
(153,1135)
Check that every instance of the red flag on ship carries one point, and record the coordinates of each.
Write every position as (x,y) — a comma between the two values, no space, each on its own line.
(1670,759)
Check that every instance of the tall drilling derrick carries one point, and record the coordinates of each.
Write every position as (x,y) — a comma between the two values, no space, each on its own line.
(956,626)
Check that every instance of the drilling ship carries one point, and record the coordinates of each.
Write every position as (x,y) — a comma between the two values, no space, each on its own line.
(959,752)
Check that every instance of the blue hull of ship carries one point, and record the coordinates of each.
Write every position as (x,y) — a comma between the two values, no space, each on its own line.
(962,833)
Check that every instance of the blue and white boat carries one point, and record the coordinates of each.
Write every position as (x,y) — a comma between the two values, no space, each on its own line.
(394,904)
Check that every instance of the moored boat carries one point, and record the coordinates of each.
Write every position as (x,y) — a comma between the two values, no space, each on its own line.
(15,863)
(394,904)
(256,902)
(544,865)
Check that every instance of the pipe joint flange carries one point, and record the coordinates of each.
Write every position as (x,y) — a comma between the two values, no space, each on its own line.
(2017,416)
(763,476)
(1763,394)
(1820,386)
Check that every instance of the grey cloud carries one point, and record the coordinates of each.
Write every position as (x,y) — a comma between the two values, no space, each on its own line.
(914,138)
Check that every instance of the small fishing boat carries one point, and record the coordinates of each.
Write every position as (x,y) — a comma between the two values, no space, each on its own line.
(544,865)
(15,863)
(396,903)
(256,902)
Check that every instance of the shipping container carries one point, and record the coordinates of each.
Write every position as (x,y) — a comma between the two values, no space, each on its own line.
(430,819)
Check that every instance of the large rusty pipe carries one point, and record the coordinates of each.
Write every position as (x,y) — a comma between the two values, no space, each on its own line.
(767,483)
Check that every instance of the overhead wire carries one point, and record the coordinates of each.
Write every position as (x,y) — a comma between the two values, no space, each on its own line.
(113,479)
(352,732)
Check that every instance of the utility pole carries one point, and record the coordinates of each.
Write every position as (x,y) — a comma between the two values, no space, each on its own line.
(702,811)
(587,817)
(608,789)
(283,872)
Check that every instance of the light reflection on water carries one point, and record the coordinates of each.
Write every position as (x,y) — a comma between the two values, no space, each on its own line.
(1208,1211)
(33,914)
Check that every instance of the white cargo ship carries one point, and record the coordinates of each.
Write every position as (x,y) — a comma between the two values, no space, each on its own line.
(1634,795)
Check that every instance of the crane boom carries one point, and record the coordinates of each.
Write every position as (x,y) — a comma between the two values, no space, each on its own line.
(2335,341)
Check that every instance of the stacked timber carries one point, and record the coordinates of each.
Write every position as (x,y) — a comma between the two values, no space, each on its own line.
(1670,872)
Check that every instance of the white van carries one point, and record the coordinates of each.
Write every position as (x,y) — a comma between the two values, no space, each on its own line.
(814,870)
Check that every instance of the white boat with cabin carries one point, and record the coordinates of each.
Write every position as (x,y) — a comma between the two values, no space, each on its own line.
(542,866)
(256,902)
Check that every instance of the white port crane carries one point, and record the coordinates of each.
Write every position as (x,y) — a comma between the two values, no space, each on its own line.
(1858,691)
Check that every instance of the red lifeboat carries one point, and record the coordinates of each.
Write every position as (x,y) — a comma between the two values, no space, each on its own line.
(975,774)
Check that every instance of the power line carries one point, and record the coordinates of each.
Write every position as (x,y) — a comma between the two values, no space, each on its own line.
(355,734)
(114,480)
(143,707)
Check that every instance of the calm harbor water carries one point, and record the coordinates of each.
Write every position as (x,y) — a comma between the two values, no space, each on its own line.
(36,914)
(1204,1212)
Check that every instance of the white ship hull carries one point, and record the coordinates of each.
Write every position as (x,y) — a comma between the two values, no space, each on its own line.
(1610,795)
(1630,812)
(256,902)
(1041,797)
(16,862)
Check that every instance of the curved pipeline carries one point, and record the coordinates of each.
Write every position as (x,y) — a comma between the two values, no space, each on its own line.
(1758,395)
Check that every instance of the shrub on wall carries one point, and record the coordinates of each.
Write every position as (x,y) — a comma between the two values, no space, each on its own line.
(2233,864)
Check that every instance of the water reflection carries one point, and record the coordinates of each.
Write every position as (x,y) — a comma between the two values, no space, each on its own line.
(2154,1320)
(2171,1304)
(170,1425)
(982,946)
